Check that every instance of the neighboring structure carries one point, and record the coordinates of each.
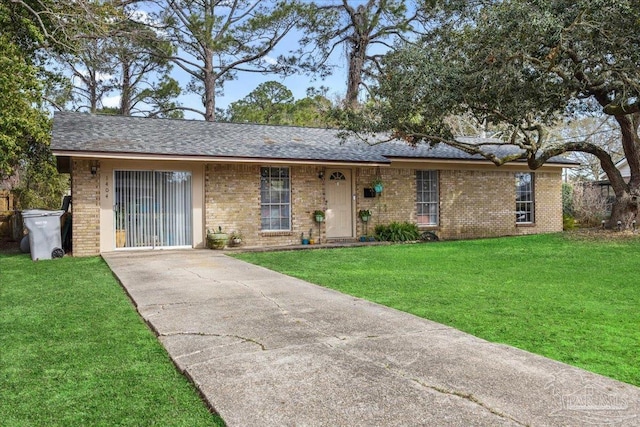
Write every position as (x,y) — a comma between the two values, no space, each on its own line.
(157,183)
(605,186)
(623,166)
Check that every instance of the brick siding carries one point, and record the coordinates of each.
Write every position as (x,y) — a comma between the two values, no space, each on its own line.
(232,198)
(473,203)
(482,204)
(85,196)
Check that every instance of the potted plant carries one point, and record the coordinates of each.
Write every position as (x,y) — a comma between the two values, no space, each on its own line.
(318,215)
(377,185)
(235,238)
(303,240)
(217,239)
(364,214)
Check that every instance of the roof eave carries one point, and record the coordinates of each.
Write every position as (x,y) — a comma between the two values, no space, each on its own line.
(474,161)
(216,159)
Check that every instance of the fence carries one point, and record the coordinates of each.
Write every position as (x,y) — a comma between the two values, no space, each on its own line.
(10,219)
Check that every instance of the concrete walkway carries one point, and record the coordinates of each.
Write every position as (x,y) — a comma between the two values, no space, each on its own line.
(267,349)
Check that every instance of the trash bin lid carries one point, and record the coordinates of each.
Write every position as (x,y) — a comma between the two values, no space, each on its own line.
(33,213)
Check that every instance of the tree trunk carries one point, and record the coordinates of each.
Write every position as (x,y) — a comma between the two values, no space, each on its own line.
(209,80)
(625,207)
(356,64)
(359,42)
(93,92)
(125,93)
(624,210)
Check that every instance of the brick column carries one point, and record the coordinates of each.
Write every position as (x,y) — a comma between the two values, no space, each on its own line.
(85,198)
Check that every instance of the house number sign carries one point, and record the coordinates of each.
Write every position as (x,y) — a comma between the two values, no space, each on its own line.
(106,186)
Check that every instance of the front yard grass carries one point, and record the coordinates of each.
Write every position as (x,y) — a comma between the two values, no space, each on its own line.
(73,351)
(572,300)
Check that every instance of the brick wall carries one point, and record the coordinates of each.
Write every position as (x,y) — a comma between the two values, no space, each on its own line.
(85,196)
(477,203)
(548,198)
(395,203)
(473,203)
(232,198)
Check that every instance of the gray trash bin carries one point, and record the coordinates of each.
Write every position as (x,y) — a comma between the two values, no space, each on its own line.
(44,233)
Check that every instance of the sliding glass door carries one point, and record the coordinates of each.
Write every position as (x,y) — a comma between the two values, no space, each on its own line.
(152,209)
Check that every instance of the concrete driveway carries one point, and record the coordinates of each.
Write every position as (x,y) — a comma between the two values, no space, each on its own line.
(267,349)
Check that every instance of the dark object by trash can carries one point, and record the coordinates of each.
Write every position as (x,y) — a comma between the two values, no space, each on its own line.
(24,245)
(44,233)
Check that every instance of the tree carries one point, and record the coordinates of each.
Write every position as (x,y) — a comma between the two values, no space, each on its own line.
(360,28)
(28,28)
(273,103)
(22,122)
(92,71)
(600,131)
(218,38)
(40,185)
(269,103)
(523,66)
(122,62)
(313,110)
(144,85)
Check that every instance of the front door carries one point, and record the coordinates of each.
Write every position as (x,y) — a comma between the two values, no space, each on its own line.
(339,212)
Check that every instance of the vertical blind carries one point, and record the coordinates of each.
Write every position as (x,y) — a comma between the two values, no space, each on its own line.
(153,208)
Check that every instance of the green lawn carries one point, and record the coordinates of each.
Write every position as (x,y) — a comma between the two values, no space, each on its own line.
(73,351)
(573,300)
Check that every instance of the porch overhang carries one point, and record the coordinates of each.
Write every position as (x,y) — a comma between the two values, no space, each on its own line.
(66,155)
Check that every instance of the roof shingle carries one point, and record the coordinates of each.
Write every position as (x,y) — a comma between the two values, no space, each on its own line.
(82,132)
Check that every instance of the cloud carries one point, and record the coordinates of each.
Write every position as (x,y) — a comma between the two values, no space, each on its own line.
(111,101)
(269,60)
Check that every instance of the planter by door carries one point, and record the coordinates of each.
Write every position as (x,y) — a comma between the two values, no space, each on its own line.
(121,238)
(378,188)
(217,240)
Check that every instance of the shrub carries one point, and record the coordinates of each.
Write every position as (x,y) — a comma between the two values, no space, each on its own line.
(567,199)
(589,205)
(568,222)
(397,232)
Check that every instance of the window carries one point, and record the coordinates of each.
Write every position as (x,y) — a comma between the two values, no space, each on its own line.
(275,199)
(152,209)
(524,198)
(427,197)
(337,176)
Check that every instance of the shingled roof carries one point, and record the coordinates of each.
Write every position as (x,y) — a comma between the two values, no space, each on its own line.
(83,133)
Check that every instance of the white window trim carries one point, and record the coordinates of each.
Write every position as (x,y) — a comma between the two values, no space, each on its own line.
(435,202)
(531,203)
(279,230)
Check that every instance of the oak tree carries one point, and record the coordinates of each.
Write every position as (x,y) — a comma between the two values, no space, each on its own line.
(524,66)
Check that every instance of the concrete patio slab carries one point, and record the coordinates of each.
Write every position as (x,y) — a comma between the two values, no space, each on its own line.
(264,348)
